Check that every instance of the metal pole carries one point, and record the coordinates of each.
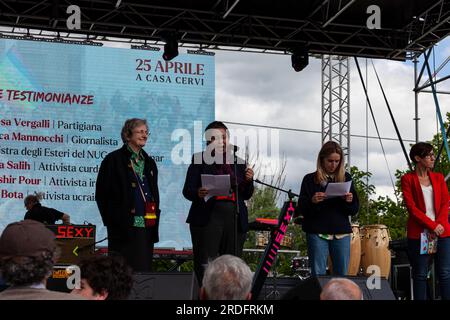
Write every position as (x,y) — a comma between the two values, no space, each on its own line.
(416,101)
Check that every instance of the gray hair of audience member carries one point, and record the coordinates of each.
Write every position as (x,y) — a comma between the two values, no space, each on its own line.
(227,278)
(27,252)
(129,126)
(341,289)
(19,271)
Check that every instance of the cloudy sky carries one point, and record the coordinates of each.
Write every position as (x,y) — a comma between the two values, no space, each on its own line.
(263,89)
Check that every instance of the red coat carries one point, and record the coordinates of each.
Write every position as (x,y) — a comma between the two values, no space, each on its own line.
(415,203)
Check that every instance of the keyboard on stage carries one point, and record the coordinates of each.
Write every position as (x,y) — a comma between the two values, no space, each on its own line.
(180,256)
(263,224)
(172,253)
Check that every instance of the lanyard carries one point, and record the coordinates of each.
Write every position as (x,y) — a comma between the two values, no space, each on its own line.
(138,181)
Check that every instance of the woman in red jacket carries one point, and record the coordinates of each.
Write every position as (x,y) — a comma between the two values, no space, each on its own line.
(426,198)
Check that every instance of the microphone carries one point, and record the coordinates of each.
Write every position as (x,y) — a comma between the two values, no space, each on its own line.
(233,147)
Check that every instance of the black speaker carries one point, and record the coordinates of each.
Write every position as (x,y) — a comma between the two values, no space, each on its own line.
(401,281)
(164,286)
(310,288)
(276,288)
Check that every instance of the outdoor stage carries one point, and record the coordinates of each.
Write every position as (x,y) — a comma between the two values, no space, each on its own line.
(161,285)
(409,29)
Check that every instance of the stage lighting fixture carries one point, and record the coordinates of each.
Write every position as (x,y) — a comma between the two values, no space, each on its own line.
(171,47)
(300,59)
(144,47)
(201,52)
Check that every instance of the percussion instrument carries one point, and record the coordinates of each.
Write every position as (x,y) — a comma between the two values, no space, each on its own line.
(355,251)
(375,249)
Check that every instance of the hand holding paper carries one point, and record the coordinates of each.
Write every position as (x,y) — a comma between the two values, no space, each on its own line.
(318,197)
(337,189)
(216,185)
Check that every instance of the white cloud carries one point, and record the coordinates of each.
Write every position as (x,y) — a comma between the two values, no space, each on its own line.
(263,89)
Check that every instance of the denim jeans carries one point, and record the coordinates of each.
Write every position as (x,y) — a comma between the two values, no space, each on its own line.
(420,264)
(319,249)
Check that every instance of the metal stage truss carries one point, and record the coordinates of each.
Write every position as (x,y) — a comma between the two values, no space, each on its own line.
(336,102)
(335,27)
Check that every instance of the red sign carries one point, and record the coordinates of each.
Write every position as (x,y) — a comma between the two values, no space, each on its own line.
(73,231)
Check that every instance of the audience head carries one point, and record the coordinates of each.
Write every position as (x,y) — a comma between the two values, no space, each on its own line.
(341,289)
(27,253)
(227,278)
(105,278)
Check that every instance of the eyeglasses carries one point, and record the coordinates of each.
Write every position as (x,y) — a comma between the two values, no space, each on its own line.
(142,132)
(430,155)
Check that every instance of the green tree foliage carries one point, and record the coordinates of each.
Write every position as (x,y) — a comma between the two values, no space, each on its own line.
(364,190)
(263,203)
(442,164)
(382,210)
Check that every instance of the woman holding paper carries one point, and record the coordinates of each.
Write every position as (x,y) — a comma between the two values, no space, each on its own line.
(326,217)
(212,219)
(426,197)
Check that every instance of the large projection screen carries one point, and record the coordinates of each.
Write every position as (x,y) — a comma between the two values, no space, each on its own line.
(62,110)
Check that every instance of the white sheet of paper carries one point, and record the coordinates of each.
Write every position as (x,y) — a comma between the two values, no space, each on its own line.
(217,185)
(337,189)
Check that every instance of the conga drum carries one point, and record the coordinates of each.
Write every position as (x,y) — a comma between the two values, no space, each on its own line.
(287,241)
(355,253)
(375,248)
(262,238)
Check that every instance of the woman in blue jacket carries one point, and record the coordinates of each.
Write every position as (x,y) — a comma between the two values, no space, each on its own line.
(326,220)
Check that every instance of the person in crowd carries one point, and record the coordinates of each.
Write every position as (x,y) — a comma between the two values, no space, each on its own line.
(213,219)
(105,278)
(128,198)
(326,219)
(227,278)
(27,254)
(425,195)
(341,289)
(38,212)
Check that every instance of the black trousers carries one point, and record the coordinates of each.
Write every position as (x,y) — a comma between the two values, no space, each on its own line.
(216,238)
(136,247)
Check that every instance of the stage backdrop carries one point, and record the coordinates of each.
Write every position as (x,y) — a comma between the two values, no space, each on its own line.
(62,110)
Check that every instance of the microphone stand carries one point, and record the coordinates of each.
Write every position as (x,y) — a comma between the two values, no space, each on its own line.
(290,194)
(297,218)
(269,257)
(236,215)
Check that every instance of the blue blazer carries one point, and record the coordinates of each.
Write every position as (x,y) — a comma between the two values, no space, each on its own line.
(200,211)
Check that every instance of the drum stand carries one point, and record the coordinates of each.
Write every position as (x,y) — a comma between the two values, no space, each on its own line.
(274,294)
(301,277)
